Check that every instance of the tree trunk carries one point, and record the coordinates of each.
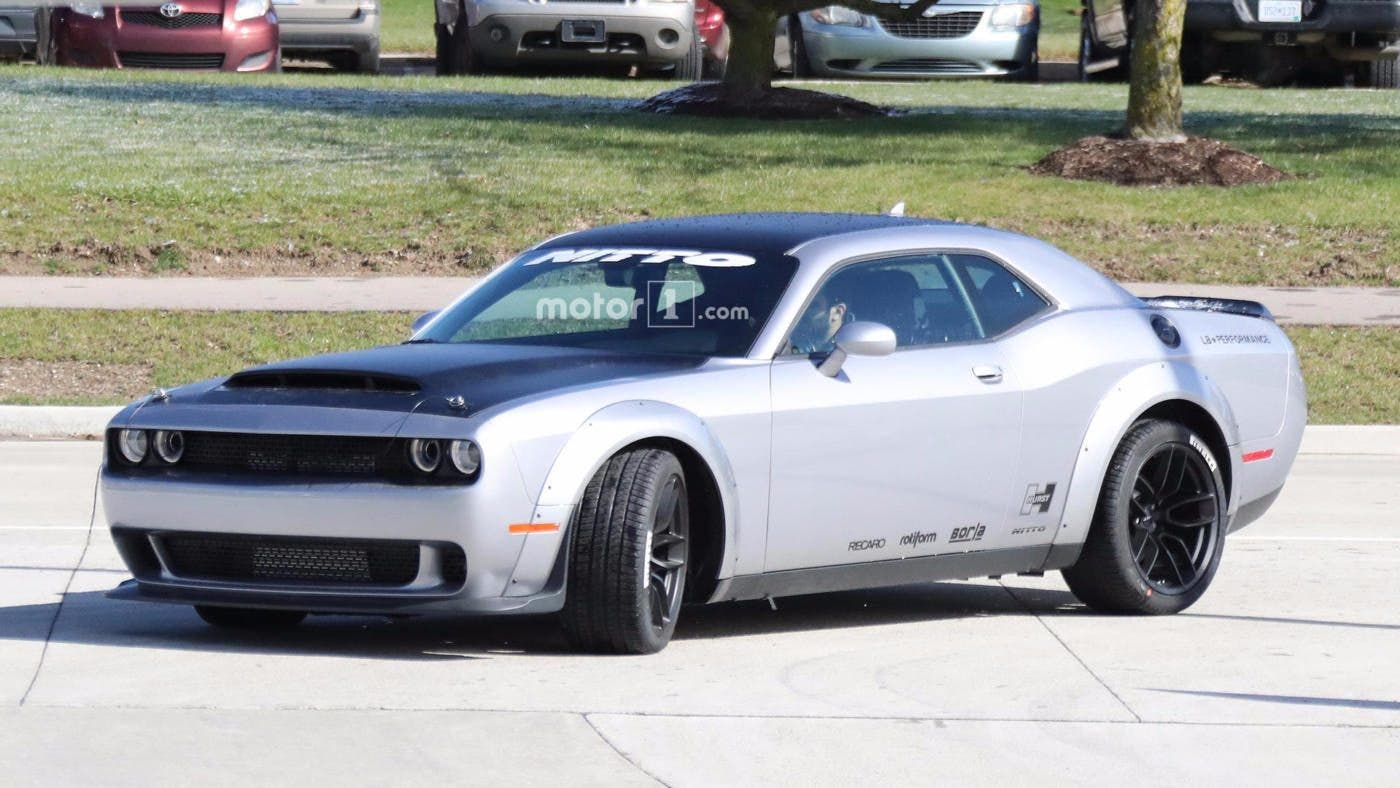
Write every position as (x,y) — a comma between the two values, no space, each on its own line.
(1154,92)
(750,66)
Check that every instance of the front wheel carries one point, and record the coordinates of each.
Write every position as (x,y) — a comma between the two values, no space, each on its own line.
(1383,73)
(1159,529)
(628,550)
(797,47)
(692,66)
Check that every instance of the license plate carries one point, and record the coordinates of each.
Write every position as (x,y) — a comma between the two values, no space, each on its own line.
(583,31)
(1280,10)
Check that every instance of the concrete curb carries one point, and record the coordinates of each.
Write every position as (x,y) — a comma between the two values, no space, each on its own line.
(45,422)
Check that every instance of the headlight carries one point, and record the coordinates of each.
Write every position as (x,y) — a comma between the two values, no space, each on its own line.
(426,455)
(251,9)
(91,9)
(466,457)
(170,445)
(1006,17)
(839,15)
(133,445)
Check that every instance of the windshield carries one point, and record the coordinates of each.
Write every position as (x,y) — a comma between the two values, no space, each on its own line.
(686,301)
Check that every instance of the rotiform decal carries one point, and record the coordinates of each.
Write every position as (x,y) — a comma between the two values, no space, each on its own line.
(969,533)
(917,538)
(687,256)
(1038,498)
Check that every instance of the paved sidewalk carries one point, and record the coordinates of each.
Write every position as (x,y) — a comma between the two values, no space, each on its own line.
(1335,305)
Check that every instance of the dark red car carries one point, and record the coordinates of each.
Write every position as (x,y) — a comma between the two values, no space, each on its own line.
(709,23)
(212,35)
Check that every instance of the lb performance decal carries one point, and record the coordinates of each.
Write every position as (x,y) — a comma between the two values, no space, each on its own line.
(687,256)
(1236,339)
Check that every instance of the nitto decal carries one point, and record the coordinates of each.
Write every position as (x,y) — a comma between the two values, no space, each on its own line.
(865,544)
(1030,529)
(917,538)
(969,533)
(687,256)
(1204,452)
(1236,339)
(1038,498)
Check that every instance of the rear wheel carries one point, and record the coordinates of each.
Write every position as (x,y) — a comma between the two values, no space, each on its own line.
(1384,73)
(1158,532)
(249,618)
(628,551)
(692,66)
(801,66)
(456,55)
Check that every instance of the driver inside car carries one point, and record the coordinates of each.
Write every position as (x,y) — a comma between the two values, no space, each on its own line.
(819,324)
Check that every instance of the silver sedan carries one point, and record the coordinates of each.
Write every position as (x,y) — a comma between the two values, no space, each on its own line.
(957,38)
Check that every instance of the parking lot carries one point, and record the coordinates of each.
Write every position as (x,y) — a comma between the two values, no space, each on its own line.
(1282,673)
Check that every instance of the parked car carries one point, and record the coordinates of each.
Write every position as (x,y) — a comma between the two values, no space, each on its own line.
(17,36)
(718,408)
(210,35)
(656,35)
(954,38)
(1269,41)
(343,32)
(714,37)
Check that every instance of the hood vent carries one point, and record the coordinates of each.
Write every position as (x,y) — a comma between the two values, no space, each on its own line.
(323,381)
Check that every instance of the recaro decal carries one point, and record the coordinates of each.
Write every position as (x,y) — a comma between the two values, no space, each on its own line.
(688,256)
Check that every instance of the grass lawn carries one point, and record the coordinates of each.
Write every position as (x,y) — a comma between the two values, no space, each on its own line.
(48,355)
(406,27)
(1059,29)
(127,172)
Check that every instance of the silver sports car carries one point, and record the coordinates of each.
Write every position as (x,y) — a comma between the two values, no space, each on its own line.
(629,418)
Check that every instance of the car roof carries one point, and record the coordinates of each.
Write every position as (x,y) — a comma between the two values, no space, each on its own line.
(761,235)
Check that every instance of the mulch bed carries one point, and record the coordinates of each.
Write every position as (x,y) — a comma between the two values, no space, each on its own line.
(714,99)
(1196,162)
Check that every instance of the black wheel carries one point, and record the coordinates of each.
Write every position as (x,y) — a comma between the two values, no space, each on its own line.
(1384,73)
(249,618)
(460,57)
(797,47)
(1086,47)
(628,548)
(443,37)
(692,66)
(1159,529)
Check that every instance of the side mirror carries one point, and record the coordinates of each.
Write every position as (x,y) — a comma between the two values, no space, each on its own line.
(861,338)
(423,320)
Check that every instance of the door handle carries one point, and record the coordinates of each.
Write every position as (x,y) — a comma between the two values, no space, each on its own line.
(987,373)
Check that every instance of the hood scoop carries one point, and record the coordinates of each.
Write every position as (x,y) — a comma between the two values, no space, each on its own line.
(320,380)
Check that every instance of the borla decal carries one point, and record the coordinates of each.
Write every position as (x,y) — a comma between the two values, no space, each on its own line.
(687,256)
(1038,498)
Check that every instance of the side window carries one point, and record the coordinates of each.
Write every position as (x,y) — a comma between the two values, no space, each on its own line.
(915,295)
(1000,299)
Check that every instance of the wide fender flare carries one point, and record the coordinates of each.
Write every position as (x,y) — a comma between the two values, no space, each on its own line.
(599,437)
(1135,393)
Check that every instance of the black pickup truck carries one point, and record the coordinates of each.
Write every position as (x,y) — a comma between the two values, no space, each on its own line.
(1270,41)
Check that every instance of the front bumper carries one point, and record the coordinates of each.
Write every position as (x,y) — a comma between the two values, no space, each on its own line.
(249,45)
(1333,16)
(506,33)
(498,571)
(872,51)
(358,34)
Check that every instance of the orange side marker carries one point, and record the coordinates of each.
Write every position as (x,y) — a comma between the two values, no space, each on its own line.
(533,528)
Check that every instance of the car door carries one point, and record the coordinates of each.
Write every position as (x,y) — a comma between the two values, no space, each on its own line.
(905,455)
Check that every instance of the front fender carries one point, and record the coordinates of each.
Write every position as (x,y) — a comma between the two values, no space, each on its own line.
(599,437)
(1128,399)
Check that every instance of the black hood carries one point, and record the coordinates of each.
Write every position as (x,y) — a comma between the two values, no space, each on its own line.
(400,377)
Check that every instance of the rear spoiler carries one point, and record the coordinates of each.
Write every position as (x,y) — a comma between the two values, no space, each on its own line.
(1233,306)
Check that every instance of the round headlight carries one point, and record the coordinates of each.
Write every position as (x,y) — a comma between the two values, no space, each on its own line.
(466,457)
(170,445)
(426,455)
(133,445)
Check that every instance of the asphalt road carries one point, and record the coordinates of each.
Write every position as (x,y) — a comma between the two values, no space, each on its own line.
(1284,673)
(1362,306)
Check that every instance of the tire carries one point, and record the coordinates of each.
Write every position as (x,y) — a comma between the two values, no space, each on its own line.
(692,67)
(1136,512)
(1086,48)
(1029,70)
(367,62)
(801,65)
(442,54)
(628,550)
(249,618)
(1384,73)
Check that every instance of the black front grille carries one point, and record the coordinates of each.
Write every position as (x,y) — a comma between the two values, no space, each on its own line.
(290,560)
(181,22)
(290,454)
(929,66)
(164,60)
(954,25)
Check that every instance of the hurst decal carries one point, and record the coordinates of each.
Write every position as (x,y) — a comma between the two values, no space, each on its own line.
(1038,498)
